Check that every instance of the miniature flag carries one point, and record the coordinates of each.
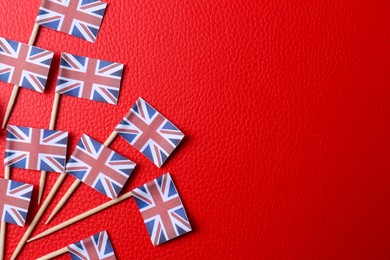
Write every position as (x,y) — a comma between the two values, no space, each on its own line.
(80,18)
(24,65)
(162,209)
(150,132)
(36,149)
(89,78)
(100,167)
(14,201)
(96,247)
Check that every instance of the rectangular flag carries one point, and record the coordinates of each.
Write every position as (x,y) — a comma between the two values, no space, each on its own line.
(24,65)
(96,247)
(36,149)
(149,132)
(14,201)
(162,210)
(99,167)
(89,78)
(80,18)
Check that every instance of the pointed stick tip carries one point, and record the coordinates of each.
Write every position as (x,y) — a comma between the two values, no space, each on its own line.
(48,220)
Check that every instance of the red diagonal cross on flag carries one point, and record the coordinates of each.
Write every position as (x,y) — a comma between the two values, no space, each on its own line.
(12,201)
(161,208)
(98,165)
(150,132)
(89,77)
(21,64)
(72,12)
(36,147)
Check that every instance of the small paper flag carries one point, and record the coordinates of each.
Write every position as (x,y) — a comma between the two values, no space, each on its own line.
(80,18)
(89,78)
(100,167)
(162,210)
(96,247)
(36,149)
(14,201)
(149,132)
(24,65)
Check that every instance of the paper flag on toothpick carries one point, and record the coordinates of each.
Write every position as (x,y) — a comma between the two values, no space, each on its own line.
(149,132)
(89,78)
(162,209)
(99,167)
(24,65)
(36,149)
(80,18)
(96,247)
(14,201)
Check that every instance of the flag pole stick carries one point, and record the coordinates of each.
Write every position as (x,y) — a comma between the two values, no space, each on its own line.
(7,173)
(75,184)
(34,34)
(53,119)
(82,216)
(54,254)
(111,138)
(2,239)
(10,105)
(63,200)
(38,216)
(15,90)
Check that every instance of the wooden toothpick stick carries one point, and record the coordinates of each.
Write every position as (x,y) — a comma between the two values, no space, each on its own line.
(111,138)
(15,90)
(53,119)
(3,226)
(54,254)
(82,216)
(63,200)
(7,173)
(75,184)
(34,34)
(42,184)
(38,216)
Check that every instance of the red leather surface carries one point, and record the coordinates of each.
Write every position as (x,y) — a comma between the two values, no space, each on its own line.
(286,110)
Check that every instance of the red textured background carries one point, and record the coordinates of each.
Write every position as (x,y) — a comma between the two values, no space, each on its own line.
(286,110)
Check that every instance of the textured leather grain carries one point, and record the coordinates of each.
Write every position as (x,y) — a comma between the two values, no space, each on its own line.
(286,110)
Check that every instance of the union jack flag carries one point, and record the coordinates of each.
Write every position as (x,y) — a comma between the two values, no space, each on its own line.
(162,210)
(96,247)
(149,132)
(88,78)
(80,18)
(14,201)
(36,149)
(99,167)
(24,65)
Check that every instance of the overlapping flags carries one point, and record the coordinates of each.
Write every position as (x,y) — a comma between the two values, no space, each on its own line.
(160,206)
(149,132)
(14,201)
(24,65)
(92,162)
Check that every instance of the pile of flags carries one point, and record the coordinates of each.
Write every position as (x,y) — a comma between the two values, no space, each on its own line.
(91,162)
